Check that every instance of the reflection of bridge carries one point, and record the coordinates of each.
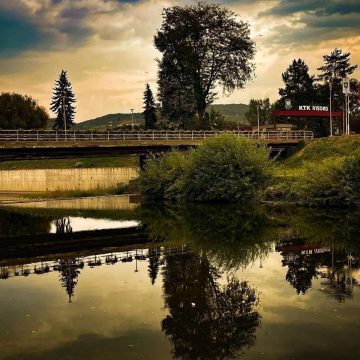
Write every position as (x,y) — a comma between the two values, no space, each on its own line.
(41,144)
(47,244)
(92,261)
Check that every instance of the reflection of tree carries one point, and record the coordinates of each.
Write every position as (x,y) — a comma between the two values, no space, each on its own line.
(229,234)
(63,225)
(69,271)
(301,270)
(154,263)
(207,320)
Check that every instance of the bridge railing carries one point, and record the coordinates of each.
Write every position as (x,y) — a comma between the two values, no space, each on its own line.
(83,135)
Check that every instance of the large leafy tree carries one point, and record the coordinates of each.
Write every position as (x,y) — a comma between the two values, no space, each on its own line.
(203,46)
(178,107)
(264,112)
(149,109)
(21,112)
(63,102)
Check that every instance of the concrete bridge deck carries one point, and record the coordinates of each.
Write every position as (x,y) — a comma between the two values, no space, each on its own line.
(49,144)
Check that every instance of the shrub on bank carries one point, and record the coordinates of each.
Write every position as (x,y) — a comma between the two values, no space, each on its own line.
(224,168)
(321,184)
(161,176)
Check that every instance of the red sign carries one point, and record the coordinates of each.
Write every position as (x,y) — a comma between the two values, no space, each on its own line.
(306,113)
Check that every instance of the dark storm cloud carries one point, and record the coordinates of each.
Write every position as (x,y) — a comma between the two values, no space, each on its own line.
(315,20)
(316,7)
(16,34)
(23,28)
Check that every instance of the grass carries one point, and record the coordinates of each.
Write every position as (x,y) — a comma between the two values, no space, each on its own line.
(323,172)
(119,190)
(130,161)
(335,148)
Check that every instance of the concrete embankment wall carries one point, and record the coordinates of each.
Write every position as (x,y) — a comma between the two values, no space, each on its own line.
(65,179)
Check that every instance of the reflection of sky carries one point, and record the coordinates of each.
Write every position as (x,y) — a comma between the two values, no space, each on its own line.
(85,224)
(117,313)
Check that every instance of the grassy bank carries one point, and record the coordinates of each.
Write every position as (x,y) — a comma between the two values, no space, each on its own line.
(335,148)
(324,172)
(130,161)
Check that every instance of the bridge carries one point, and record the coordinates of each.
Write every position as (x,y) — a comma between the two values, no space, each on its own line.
(51,144)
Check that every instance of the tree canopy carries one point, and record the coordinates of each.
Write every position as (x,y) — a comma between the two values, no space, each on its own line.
(203,46)
(264,111)
(21,112)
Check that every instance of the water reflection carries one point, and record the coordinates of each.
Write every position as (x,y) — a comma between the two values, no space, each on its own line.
(210,274)
(207,320)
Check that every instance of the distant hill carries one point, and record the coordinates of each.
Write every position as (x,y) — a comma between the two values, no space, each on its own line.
(109,121)
(233,112)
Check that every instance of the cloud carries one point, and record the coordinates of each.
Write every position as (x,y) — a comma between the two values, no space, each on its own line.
(16,34)
(312,21)
(107,46)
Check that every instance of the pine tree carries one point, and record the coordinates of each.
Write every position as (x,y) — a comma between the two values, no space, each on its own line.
(63,100)
(337,64)
(149,109)
(299,84)
(336,67)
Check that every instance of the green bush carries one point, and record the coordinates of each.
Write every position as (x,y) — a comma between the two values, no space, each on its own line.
(322,184)
(224,168)
(161,176)
(351,169)
(332,182)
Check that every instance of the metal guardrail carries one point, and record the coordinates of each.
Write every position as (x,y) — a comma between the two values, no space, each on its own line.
(83,135)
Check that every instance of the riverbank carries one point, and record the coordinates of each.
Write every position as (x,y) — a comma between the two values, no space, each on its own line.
(324,172)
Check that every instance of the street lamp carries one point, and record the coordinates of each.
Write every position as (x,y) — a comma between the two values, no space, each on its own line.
(132,119)
(330,79)
(258,106)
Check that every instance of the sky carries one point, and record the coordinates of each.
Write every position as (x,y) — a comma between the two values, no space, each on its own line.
(107,46)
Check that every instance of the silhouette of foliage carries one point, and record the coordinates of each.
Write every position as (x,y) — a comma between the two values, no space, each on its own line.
(63,101)
(21,112)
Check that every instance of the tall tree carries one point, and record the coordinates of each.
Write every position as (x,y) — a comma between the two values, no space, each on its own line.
(337,66)
(300,90)
(299,84)
(63,102)
(203,46)
(21,112)
(264,112)
(149,109)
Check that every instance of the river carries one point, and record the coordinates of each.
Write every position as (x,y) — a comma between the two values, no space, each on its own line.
(111,281)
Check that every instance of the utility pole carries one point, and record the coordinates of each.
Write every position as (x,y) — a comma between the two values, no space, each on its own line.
(132,119)
(331,122)
(346,92)
(258,117)
(64,115)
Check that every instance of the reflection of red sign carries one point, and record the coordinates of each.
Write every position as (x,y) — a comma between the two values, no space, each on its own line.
(306,113)
(310,249)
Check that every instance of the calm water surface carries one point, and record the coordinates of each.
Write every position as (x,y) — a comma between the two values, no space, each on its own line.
(190,282)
